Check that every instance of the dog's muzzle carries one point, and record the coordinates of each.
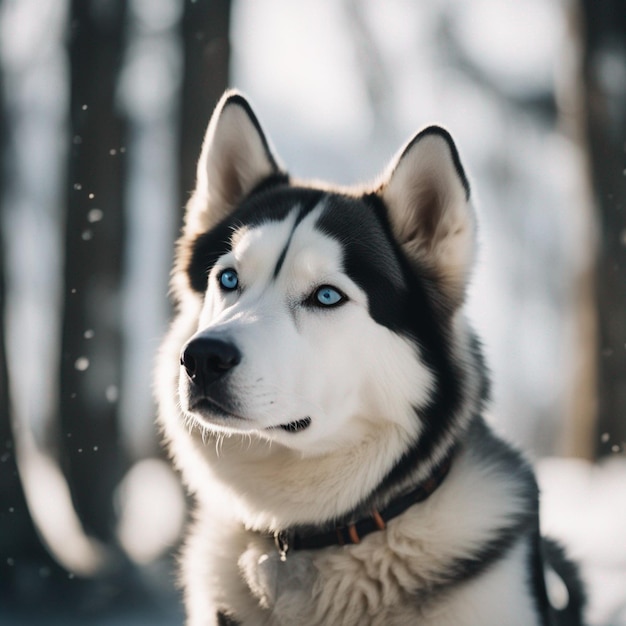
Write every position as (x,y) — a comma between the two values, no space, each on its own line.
(206,359)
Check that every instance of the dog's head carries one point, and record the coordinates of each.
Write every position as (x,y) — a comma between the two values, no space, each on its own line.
(318,316)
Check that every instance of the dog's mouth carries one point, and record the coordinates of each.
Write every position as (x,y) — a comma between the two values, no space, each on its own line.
(295,426)
(208,406)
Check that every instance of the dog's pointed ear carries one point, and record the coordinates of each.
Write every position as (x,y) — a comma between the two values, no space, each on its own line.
(427,196)
(236,156)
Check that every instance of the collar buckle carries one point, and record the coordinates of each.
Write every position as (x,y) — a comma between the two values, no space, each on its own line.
(283,540)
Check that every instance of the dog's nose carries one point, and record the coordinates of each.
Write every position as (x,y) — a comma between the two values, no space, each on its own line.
(206,359)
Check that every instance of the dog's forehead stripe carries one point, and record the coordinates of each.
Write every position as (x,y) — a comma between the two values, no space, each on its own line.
(302,212)
(267,204)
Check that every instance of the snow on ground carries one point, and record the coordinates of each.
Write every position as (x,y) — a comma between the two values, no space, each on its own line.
(584,506)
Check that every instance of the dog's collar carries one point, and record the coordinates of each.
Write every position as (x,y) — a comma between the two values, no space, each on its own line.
(291,539)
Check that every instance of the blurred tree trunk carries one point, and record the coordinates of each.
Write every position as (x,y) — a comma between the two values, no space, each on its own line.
(604,63)
(94,244)
(23,557)
(206,54)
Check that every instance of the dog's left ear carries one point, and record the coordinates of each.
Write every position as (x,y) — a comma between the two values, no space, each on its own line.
(427,196)
(236,156)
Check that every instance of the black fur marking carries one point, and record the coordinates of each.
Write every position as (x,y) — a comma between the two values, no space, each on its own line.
(283,254)
(537,582)
(275,180)
(369,258)
(206,249)
(572,614)
(275,203)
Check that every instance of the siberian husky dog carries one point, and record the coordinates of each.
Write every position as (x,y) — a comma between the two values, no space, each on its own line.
(322,394)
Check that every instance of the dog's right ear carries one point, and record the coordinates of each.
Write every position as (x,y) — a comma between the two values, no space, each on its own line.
(236,156)
(428,200)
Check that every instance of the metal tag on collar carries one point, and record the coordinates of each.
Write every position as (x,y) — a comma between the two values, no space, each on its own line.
(282,539)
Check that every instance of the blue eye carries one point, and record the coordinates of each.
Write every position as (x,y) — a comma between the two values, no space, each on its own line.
(328,296)
(229,280)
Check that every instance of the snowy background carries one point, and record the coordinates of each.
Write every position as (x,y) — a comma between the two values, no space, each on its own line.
(339,86)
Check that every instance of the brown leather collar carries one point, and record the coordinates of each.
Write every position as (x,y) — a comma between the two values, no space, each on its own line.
(292,539)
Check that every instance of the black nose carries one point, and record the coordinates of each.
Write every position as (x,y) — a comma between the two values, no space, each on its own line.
(206,359)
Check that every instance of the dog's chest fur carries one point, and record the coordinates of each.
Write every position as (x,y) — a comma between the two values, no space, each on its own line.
(409,573)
